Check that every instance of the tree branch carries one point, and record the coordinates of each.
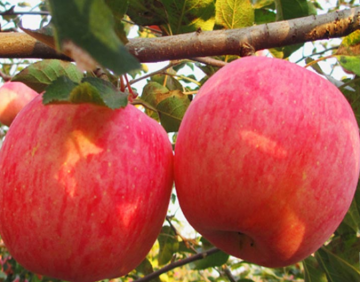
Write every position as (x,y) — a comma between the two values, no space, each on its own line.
(177,264)
(21,45)
(208,43)
(239,41)
(33,13)
(228,273)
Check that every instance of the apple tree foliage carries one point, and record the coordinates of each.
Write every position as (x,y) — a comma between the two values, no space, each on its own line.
(96,33)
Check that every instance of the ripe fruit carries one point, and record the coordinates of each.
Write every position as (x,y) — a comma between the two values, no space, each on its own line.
(13,97)
(84,190)
(267,161)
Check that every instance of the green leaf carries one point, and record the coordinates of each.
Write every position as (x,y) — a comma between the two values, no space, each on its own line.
(286,51)
(208,70)
(315,66)
(346,247)
(290,9)
(216,259)
(85,30)
(59,90)
(350,45)
(172,110)
(185,248)
(335,268)
(352,94)
(352,217)
(40,74)
(171,105)
(146,268)
(151,12)
(263,16)
(190,15)
(118,9)
(313,271)
(350,63)
(45,34)
(111,97)
(168,81)
(90,90)
(258,4)
(234,13)
(176,16)
(168,244)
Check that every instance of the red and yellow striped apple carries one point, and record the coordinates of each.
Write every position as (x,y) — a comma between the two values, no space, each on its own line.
(84,189)
(267,160)
(13,97)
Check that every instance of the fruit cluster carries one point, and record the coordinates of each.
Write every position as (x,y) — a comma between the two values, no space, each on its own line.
(265,167)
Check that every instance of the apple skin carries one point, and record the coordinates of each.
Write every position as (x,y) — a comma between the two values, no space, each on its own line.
(84,189)
(13,97)
(267,161)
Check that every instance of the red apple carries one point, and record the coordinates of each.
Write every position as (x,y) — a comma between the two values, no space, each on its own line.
(13,97)
(84,189)
(267,160)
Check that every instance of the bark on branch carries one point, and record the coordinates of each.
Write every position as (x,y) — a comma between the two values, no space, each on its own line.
(208,43)
(20,45)
(239,41)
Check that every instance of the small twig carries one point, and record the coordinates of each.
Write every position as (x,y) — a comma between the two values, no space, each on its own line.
(171,64)
(144,104)
(178,263)
(228,273)
(190,92)
(209,61)
(316,54)
(34,13)
(173,227)
(188,245)
(4,76)
(182,77)
(318,60)
(354,81)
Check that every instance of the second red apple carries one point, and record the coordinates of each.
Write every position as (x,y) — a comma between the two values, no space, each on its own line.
(13,97)
(267,160)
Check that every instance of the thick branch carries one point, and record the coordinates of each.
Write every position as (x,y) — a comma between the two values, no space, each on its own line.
(21,45)
(208,43)
(239,41)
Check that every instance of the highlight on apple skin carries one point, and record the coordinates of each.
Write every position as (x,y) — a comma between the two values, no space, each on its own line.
(13,97)
(84,189)
(267,161)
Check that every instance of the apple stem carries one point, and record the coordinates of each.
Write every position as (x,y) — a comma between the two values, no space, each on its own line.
(122,84)
(132,95)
